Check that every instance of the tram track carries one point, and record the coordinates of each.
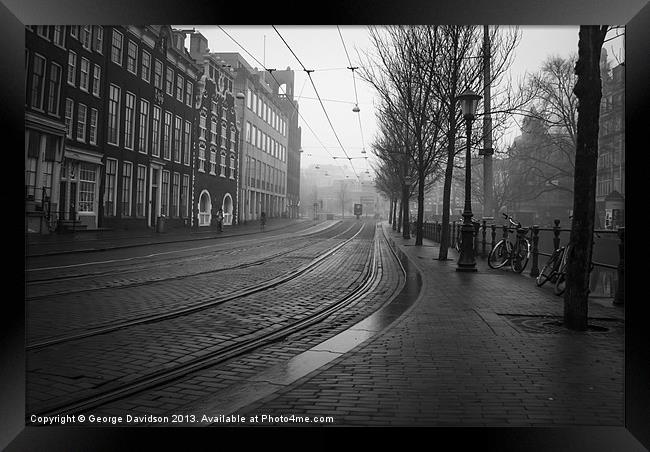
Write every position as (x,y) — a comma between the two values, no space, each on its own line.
(368,279)
(157,280)
(265,241)
(169,314)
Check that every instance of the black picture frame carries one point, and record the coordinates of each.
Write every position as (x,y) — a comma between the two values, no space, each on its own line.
(14,14)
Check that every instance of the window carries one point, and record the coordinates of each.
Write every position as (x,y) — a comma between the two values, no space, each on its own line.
(110,187)
(132,58)
(72,68)
(146,66)
(213,161)
(59,36)
(98,42)
(175,187)
(54,89)
(74,31)
(254,103)
(69,113)
(187,143)
(233,135)
(129,121)
(252,173)
(97,76)
(144,126)
(155,132)
(249,98)
(202,157)
(84,74)
(254,139)
(157,74)
(164,197)
(169,81)
(33,153)
(180,85)
(93,126)
(139,190)
(222,164)
(113,114)
(43,31)
(177,138)
(167,130)
(232,166)
(87,181)
(81,122)
(202,125)
(189,87)
(86,34)
(248,132)
(213,131)
(116,47)
(127,168)
(259,138)
(223,135)
(185,188)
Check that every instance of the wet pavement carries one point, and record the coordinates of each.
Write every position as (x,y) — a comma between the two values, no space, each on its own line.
(475,349)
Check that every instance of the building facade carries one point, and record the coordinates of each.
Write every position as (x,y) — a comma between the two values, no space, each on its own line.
(610,181)
(45,124)
(121,141)
(263,142)
(217,154)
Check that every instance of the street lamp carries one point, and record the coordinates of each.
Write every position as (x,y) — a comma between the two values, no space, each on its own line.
(466,261)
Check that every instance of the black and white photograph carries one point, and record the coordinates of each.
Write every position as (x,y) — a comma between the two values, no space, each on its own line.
(325,226)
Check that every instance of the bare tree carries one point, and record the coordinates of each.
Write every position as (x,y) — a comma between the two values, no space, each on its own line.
(588,90)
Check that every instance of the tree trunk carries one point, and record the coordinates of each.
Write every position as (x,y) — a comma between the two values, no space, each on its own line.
(399,221)
(405,215)
(418,233)
(588,90)
(394,214)
(390,212)
(446,196)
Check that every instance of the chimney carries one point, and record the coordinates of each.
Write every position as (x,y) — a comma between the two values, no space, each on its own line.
(198,46)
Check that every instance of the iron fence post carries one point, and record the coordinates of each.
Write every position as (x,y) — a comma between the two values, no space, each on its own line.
(534,271)
(556,234)
(484,232)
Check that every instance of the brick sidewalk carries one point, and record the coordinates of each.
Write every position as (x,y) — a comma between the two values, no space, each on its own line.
(38,245)
(477,349)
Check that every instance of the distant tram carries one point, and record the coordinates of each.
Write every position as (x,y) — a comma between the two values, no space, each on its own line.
(358,210)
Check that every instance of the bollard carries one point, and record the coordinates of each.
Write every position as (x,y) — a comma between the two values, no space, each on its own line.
(619,298)
(484,231)
(534,271)
(494,235)
(556,234)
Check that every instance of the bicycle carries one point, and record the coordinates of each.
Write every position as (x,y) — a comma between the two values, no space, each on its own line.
(505,252)
(560,278)
(551,269)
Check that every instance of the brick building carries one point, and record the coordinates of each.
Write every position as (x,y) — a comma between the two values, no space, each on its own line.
(217,160)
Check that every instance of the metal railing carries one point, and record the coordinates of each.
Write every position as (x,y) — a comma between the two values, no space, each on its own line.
(609,245)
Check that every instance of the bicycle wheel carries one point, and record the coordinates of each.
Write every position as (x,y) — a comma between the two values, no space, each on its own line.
(550,269)
(520,256)
(500,254)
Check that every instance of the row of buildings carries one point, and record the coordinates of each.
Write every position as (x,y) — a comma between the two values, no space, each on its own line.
(124,126)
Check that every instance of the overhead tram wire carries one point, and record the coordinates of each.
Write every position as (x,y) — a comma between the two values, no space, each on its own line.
(309,71)
(270,71)
(356,96)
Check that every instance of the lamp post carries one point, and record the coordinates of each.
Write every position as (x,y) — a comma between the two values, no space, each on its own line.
(466,261)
